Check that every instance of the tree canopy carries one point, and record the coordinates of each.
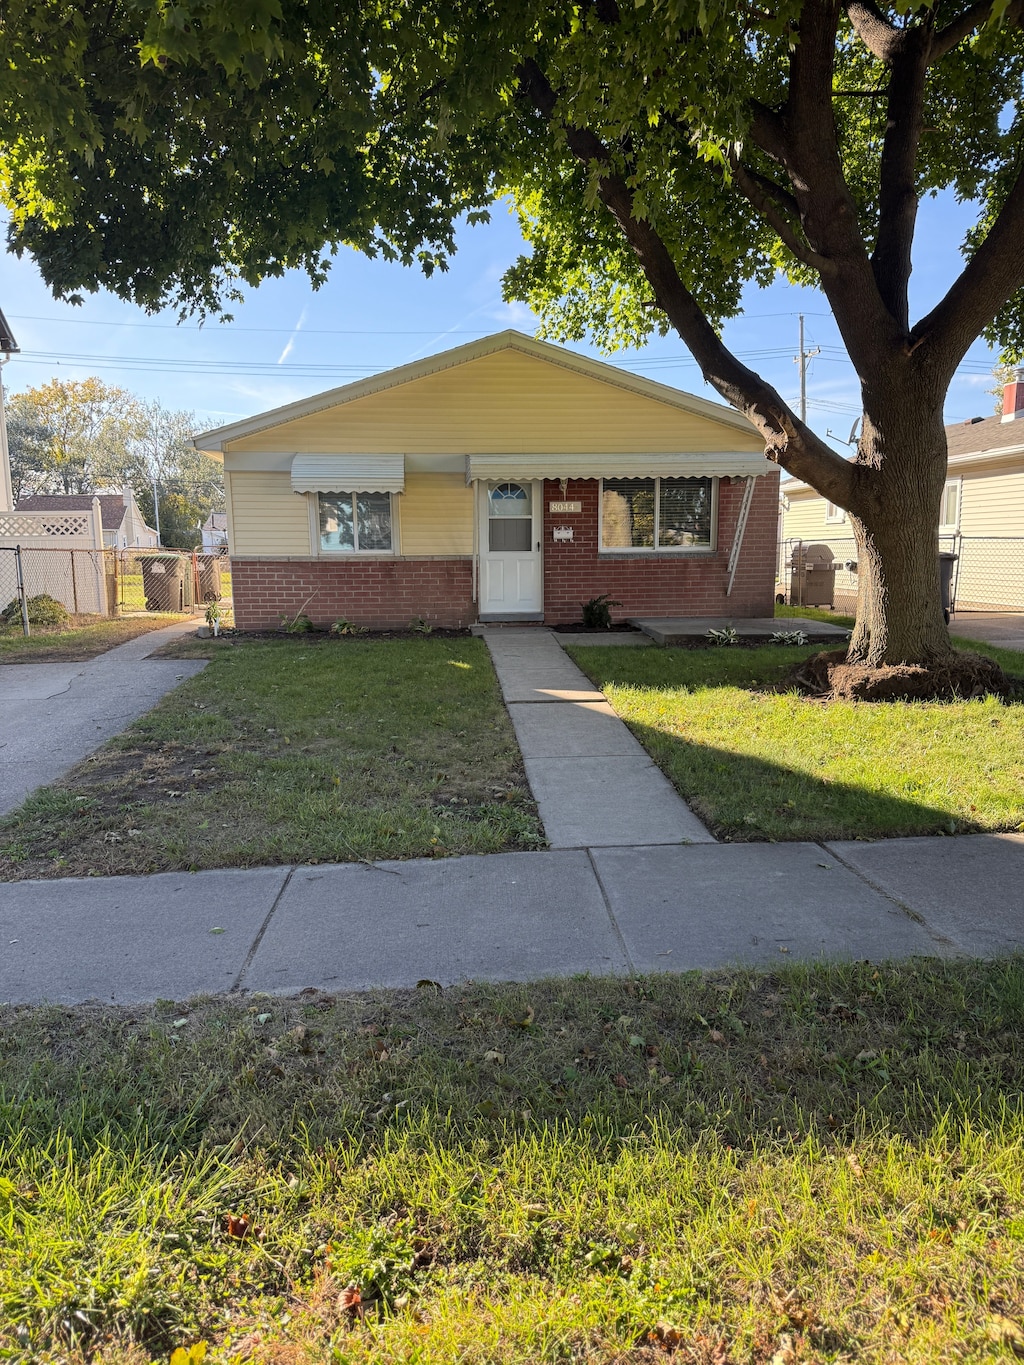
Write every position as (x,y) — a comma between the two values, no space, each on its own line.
(661,154)
(81,436)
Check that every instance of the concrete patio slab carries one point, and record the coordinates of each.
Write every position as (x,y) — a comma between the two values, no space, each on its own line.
(754,904)
(970,889)
(680,630)
(994,627)
(557,729)
(127,939)
(509,916)
(610,801)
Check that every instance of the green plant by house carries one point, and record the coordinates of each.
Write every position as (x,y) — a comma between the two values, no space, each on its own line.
(43,610)
(419,625)
(723,639)
(300,624)
(343,626)
(213,616)
(788,637)
(597,612)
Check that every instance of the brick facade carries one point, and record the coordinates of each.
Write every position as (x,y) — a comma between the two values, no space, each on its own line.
(661,585)
(387,594)
(382,594)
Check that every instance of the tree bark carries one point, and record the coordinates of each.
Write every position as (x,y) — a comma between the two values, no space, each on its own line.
(895,524)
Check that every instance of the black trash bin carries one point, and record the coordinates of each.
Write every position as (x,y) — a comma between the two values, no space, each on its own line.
(946,561)
(209,578)
(163,582)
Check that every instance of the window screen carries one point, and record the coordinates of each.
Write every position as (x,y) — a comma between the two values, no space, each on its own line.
(655,514)
(355,522)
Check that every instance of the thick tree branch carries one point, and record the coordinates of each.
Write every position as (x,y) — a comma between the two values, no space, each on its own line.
(972,18)
(897,177)
(787,440)
(874,29)
(991,277)
(874,337)
(755,191)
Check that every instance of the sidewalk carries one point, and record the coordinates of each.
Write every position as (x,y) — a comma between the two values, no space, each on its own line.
(54,715)
(633,883)
(509,916)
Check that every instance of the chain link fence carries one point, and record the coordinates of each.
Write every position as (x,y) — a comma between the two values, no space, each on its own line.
(78,579)
(988,574)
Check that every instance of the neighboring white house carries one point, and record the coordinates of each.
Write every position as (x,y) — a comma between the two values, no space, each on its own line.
(124,527)
(982,516)
(215,533)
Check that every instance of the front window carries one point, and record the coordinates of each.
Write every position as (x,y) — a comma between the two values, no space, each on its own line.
(833,512)
(656,514)
(355,523)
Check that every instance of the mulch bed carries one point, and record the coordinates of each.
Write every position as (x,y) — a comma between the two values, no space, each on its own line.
(954,679)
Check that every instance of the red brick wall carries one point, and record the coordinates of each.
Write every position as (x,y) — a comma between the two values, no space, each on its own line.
(661,585)
(383,594)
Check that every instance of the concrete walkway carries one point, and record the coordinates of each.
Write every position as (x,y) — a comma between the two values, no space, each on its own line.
(594,785)
(509,916)
(1005,628)
(54,715)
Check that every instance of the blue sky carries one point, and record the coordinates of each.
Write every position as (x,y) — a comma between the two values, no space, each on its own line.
(287,342)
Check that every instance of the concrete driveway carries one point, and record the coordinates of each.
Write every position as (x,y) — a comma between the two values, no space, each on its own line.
(54,715)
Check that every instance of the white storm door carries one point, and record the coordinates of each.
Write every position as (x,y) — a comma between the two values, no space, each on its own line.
(510,520)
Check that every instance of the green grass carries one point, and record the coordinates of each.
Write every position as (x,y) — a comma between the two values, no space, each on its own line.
(84,638)
(293,750)
(755,764)
(827,1162)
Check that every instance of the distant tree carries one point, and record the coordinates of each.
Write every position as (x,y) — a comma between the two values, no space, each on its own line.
(27,440)
(82,434)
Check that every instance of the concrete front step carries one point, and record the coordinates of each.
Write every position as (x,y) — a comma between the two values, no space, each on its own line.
(687,630)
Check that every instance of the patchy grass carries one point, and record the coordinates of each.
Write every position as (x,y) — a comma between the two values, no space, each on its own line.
(293,751)
(817,1165)
(82,639)
(755,764)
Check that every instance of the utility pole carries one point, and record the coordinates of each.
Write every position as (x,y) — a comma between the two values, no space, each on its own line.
(802,360)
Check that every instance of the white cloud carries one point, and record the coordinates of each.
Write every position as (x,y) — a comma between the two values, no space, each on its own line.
(290,343)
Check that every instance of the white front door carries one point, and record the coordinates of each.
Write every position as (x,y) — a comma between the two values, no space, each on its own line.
(510,521)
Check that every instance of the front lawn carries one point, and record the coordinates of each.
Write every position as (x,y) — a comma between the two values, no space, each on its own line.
(293,750)
(815,1165)
(755,764)
(83,638)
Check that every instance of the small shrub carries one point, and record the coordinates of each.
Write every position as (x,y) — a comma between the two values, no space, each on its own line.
(722,639)
(299,624)
(597,612)
(43,610)
(343,626)
(419,625)
(788,637)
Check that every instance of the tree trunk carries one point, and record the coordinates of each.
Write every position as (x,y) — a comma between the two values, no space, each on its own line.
(895,522)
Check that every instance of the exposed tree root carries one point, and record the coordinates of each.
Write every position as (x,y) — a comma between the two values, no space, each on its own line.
(954,679)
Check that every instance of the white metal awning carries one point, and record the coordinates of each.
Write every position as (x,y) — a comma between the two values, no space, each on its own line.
(348,474)
(704,464)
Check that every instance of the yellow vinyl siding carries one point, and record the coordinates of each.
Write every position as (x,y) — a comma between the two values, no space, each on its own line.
(436,515)
(992,504)
(265,516)
(805,520)
(506,401)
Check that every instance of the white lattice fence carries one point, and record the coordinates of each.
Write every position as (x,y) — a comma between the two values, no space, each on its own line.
(25,526)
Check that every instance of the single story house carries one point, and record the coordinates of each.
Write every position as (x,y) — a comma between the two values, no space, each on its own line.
(504,480)
(981,518)
(124,526)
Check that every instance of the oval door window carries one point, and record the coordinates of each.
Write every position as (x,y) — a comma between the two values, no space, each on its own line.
(509,518)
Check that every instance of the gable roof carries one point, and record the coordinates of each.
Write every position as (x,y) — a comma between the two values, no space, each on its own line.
(112,507)
(7,343)
(213,441)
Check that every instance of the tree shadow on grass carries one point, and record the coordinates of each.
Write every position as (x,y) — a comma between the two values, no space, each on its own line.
(742,798)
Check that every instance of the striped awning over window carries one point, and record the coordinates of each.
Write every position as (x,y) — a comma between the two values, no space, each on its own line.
(723,464)
(348,474)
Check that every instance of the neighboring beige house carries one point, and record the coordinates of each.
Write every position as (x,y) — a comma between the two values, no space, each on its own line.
(504,480)
(124,527)
(982,516)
